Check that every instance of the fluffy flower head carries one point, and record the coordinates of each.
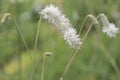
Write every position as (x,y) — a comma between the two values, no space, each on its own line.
(54,16)
(110,30)
(72,38)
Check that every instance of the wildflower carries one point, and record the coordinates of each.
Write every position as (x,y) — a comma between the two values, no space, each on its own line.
(108,28)
(54,16)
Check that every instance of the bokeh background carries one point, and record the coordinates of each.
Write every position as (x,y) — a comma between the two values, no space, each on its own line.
(91,63)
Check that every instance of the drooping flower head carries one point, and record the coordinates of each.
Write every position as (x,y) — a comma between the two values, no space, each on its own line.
(54,16)
(109,28)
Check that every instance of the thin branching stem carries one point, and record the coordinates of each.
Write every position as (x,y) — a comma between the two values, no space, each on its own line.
(41,57)
(81,27)
(93,19)
(21,34)
(69,63)
(35,69)
(74,54)
(35,48)
(86,34)
(36,38)
(76,51)
(43,67)
(19,31)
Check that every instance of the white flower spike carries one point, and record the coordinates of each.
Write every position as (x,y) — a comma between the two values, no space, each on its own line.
(54,16)
(109,28)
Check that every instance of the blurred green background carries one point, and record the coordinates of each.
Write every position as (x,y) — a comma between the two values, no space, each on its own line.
(91,62)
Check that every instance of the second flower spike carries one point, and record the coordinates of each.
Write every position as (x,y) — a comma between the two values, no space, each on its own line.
(109,28)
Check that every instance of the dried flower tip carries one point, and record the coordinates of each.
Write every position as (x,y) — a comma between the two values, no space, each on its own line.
(5,17)
(110,30)
(104,20)
(94,20)
(48,54)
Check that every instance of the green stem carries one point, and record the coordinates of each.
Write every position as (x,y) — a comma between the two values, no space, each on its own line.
(21,34)
(22,37)
(85,36)
(36,67)
(40,58)
(43,67)
(81,27)
(69,63)
(35,47)
(36,38)
(75,53)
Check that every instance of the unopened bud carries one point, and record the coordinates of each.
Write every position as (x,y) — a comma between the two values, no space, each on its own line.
(48,54)
(5,17)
